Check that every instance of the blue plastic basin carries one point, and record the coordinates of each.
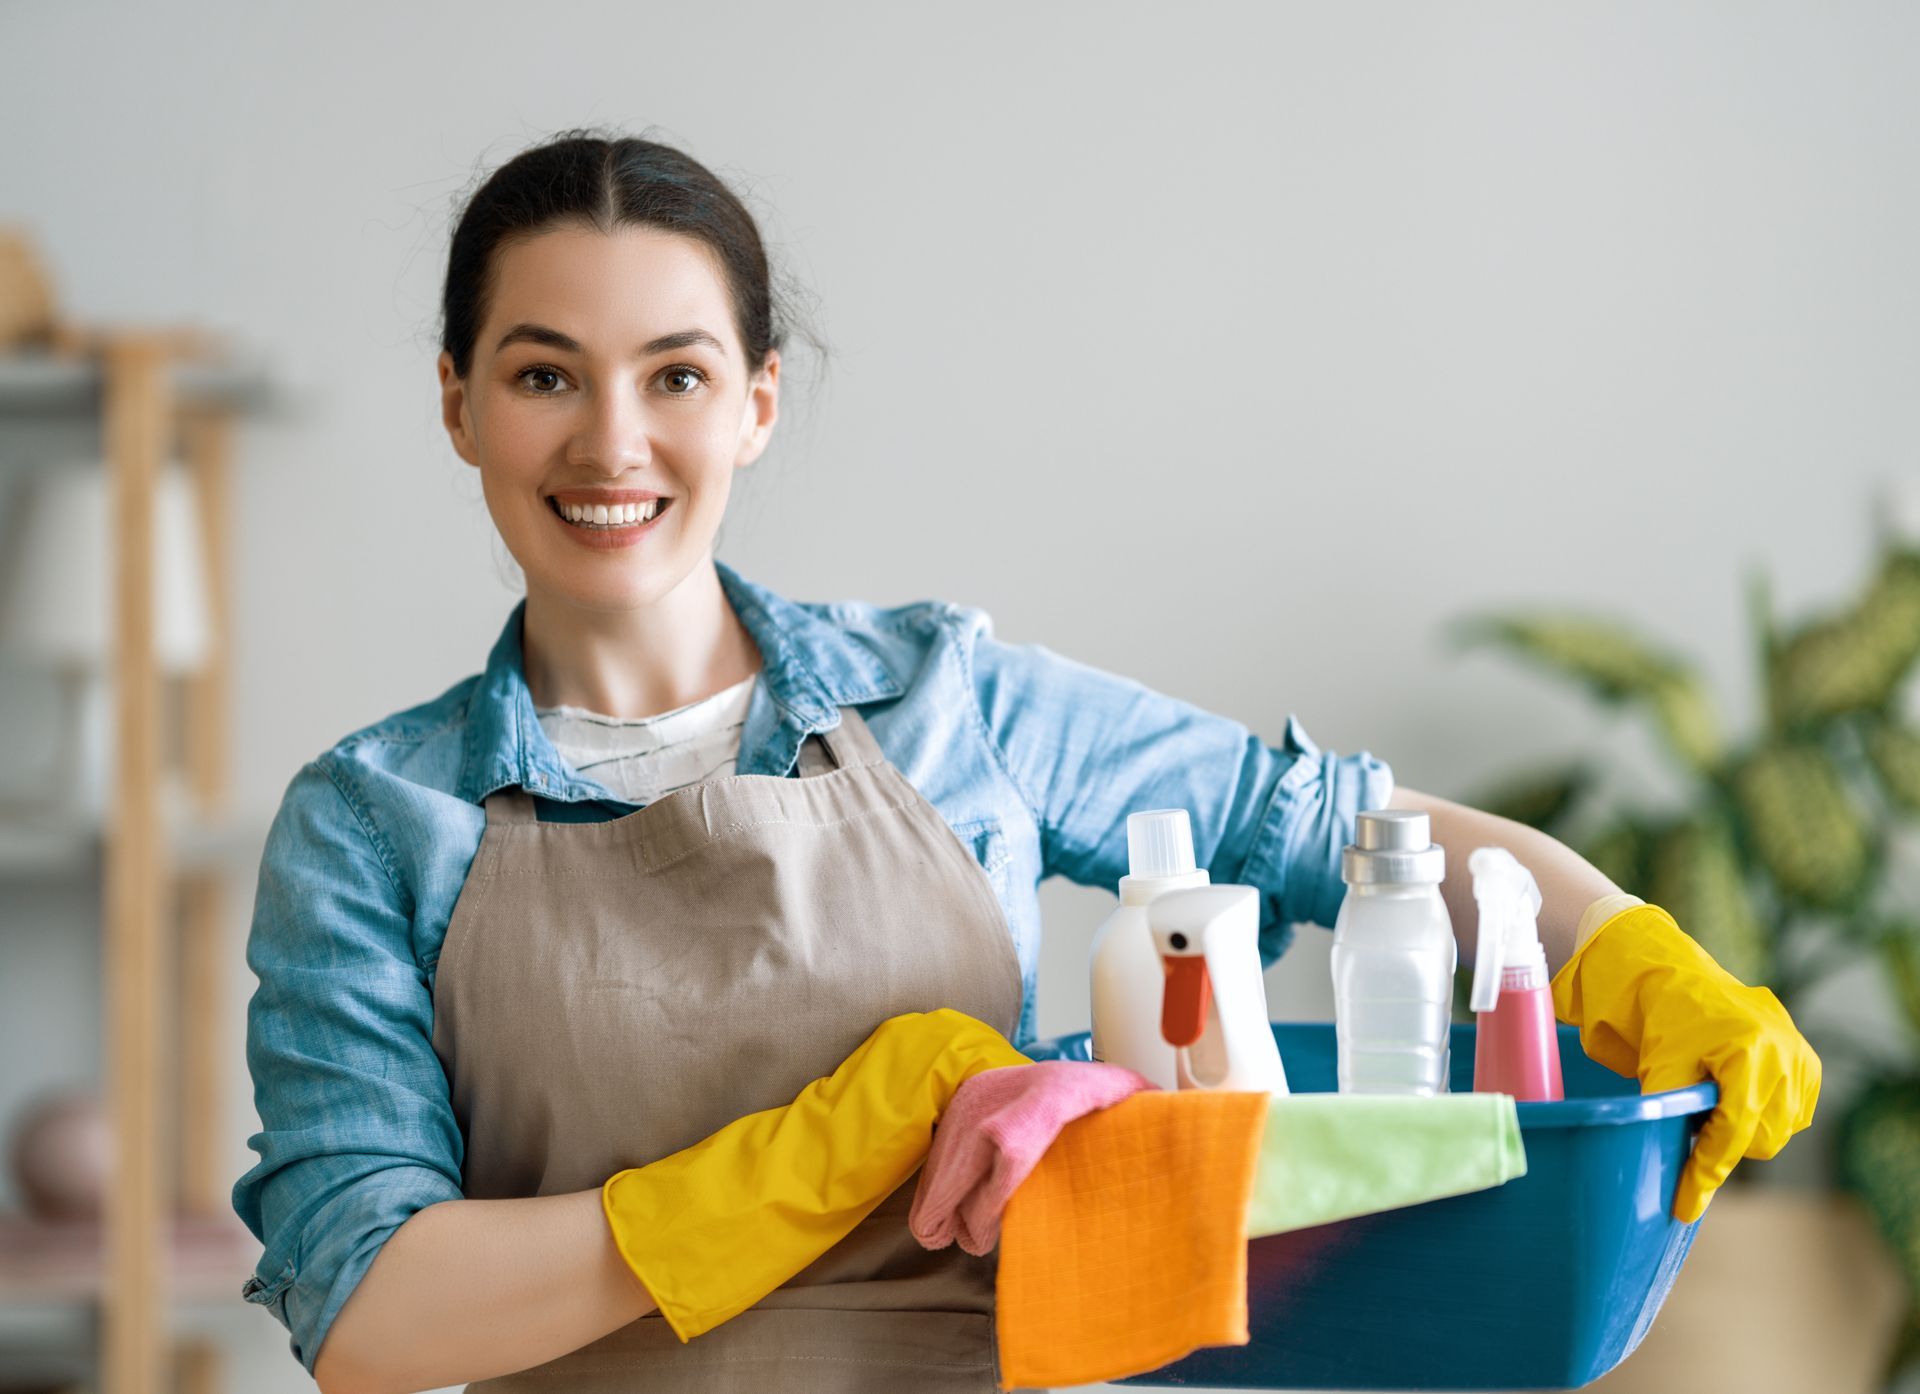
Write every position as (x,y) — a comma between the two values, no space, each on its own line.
(1546,1282)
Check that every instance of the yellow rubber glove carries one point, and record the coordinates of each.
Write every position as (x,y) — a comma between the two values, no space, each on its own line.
(1651,1003)
(717,1226)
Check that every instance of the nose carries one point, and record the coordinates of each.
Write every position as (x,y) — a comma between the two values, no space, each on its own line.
(611,435)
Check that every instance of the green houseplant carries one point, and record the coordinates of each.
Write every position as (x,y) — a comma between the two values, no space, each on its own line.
(1780,852)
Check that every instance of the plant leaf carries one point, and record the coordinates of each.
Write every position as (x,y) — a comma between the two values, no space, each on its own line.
(1895,752)
(1695,875)
(1855,660)
(1607,656)
(1806,830)
(1539,800)
(1879,1155)
(1900,947)
(1687,716)
(1614,664)
(1620,854)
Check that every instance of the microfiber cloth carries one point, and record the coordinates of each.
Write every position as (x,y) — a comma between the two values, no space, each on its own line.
(992,1135)
(1126,1246)
(1327,1157)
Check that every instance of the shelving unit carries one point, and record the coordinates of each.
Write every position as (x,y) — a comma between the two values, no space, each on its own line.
(158,394)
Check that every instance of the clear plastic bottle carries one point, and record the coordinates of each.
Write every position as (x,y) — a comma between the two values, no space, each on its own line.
(1393,959)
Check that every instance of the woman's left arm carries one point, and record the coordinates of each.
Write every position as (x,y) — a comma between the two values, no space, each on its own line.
(1088,747)
(1569,884)
(1085,748)
(1648,1001)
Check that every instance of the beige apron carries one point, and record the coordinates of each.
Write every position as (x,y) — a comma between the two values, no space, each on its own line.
(612,992)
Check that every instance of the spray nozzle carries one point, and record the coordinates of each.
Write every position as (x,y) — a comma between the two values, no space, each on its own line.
(1509,936)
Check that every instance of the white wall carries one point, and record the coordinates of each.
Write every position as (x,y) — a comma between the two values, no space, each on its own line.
(1282,334)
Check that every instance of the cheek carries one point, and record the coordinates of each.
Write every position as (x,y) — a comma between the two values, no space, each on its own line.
(709,443)
(514,452)
(519,441)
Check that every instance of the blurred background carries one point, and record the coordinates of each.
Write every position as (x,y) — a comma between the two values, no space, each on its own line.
(1524,394)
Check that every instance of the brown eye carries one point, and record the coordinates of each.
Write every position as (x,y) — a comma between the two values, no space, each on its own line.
(681,382)
(525,375)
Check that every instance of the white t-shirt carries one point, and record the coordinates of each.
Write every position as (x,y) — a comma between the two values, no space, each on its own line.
(641,759)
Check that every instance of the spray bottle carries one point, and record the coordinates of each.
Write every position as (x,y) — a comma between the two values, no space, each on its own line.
(1516,1045)
(1129,981)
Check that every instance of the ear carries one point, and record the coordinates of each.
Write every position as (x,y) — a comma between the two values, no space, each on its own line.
(761,410)
(454,414)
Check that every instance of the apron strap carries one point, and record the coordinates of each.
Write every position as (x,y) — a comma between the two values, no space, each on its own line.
(511,804)
(813,758)
(847,745)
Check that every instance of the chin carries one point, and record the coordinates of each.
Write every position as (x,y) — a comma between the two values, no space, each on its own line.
(637,586)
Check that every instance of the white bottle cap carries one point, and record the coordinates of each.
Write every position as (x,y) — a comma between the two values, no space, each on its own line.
(1159,843)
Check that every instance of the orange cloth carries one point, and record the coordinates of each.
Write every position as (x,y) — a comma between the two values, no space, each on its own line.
(1126,1248)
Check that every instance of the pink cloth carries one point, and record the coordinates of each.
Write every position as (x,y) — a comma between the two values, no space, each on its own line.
(998,1125)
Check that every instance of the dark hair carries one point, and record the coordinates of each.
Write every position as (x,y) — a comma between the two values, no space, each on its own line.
(606,182)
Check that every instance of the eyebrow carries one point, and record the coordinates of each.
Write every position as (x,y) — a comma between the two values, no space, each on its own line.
(530,333)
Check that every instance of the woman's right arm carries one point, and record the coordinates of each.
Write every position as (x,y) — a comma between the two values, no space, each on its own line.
(469,1289)
(386,1278)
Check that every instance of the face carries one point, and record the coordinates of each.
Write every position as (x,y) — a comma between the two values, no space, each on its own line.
(606,407)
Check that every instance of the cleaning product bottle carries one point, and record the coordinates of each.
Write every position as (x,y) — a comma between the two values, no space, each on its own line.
(1214,1007)
(1516,1047)
(1128,980)
(1393,959)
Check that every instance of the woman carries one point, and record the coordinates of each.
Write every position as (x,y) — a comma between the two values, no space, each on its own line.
(483,989)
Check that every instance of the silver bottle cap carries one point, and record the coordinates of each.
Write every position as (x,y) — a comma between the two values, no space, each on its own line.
(1393,846)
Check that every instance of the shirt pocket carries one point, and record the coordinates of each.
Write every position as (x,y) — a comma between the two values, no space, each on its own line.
(987,841)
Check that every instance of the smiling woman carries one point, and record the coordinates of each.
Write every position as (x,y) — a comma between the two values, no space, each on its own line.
(607,382)
(687,850)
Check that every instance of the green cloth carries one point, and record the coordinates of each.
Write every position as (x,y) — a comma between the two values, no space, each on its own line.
(1327,1157)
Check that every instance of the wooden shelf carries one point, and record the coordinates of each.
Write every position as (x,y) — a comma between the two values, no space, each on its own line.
(156,395)
(37,846)
(55,385)
(205,1260)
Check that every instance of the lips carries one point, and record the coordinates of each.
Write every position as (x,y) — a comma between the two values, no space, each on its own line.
(603,536)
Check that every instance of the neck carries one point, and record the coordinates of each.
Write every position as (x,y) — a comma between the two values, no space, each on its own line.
(687,645)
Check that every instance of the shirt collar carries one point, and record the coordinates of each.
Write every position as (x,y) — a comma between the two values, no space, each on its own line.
(812,668)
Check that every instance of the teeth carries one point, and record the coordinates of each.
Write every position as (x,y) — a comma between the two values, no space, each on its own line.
(610,515)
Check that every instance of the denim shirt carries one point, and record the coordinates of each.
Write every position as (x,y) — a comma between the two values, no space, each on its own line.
(1034,760)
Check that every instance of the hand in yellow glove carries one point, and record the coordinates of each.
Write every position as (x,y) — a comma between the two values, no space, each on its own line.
(1651,1003)
(717,1226)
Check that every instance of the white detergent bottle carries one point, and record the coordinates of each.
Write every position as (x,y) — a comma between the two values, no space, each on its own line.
(1129,982)
(1214,1010)
(1393,959)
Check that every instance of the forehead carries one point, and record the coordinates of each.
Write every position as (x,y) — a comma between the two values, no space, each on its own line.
(608,289)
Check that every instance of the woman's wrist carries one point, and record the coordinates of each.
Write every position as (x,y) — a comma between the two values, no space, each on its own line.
(1598,913)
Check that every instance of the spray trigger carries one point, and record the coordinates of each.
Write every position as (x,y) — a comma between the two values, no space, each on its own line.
(1509,935)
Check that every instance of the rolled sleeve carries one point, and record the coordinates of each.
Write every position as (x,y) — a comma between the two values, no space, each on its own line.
(1295,854)
(357,1127)
(1086,748)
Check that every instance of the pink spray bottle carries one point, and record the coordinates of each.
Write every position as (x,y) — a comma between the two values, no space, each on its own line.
(1516,1045)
